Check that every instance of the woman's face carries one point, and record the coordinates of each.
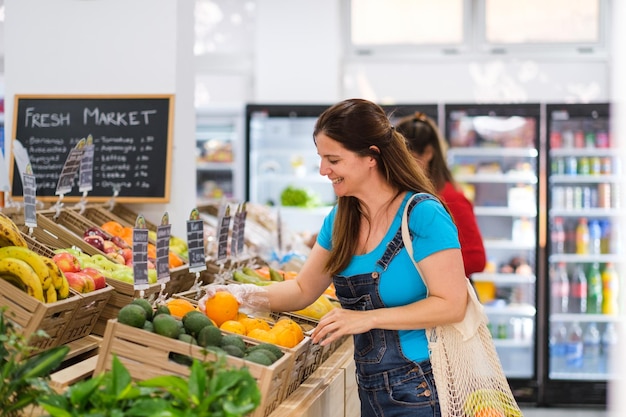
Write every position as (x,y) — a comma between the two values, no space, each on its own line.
(348,172)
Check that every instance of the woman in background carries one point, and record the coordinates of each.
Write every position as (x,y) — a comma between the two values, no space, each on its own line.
(428,147)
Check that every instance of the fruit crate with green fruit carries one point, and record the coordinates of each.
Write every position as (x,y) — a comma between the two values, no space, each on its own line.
(71,227)
(180,278)
(306,355)
(146,355)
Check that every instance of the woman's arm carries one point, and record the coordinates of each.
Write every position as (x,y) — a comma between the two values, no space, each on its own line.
(444,276)
(308,285)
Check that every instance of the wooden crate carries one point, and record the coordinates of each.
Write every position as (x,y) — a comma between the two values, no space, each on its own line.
(32,315)
(306,355)
(66,226)
(122,295)
(87,314)
(147,355)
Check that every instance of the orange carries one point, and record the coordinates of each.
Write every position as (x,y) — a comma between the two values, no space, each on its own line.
(262,335)
(113,228)
(489,412)
(285,336)
(179,307)
(251,323)
(295,328)
(174,260)
(221,307)
(233,326)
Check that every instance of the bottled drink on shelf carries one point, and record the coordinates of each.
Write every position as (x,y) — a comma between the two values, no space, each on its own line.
(594,289)
(574,348)
(590,139)
(571,165)
(605,239)
(579,139)
(591,348)
(595,237)
(582,237)
(558,347)
(568,139)
(555,139)
(578,290)
(602,140)
(584,167)
(559,289)
(604,195)
(609,344)
(595,165)
(558,236)
(558,166)
(610,289)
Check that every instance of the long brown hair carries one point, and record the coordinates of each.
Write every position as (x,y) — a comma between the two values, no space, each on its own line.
(421,131)
(358,125)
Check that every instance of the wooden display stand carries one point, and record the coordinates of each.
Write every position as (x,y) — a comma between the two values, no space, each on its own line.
(330,391)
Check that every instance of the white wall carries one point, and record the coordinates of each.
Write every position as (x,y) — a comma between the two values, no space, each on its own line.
(299,57)
(297,52)
(109,47)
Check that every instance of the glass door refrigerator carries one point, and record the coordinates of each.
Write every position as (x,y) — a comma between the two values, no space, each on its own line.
(494,154)
(282,155)
(584,252)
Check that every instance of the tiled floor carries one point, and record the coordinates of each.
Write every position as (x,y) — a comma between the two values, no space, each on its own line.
(563,412)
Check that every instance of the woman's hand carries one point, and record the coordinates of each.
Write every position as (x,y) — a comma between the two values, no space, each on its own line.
(339,322)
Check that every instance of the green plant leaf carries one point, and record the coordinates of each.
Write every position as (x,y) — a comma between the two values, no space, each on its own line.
(197,382)
(43,363)
(120,378)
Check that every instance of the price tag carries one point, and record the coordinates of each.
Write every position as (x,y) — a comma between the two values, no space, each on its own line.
(20,154)
(85,176)
(195,242)
(30,198)
(163,250)
(234,238)
(243,213)
(4,180)
(70,168)
(140,254)
(222,235)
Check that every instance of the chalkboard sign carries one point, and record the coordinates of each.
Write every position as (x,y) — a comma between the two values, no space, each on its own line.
(132,137)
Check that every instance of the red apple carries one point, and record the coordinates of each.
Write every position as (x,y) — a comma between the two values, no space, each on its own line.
(127,253)
(108,246)
(80,282)
(120,242)
(116,257)
(95,241)
(98,279)
(66,262)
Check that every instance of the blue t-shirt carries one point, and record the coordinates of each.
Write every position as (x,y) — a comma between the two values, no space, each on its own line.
(433,230)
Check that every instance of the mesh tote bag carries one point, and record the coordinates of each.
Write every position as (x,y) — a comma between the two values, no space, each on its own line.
(468,373)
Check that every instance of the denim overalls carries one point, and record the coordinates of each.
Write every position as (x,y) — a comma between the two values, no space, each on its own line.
(390,385)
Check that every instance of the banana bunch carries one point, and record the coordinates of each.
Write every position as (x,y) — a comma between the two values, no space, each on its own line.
(10,234)
(494,402)
(35,274)
(318,309)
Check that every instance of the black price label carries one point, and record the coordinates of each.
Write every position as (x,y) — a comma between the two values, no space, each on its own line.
(195,242)
(140,254)
(30,200)
(85,176)
(222,237)
(163,253)
(70,169)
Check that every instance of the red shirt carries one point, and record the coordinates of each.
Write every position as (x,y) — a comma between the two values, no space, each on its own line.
(472,248)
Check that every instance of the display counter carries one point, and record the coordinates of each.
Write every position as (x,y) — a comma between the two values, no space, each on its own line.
(330,391)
